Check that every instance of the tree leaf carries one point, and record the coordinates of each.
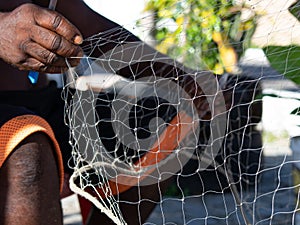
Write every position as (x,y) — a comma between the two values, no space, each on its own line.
(285,59)
(296,111)
(295,10)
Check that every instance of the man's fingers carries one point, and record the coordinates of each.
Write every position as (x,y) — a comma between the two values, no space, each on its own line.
(53,21)
(36,65)
(42,54)
(32,64)
(45,56)
(39,39)
(55,43)
(55,69)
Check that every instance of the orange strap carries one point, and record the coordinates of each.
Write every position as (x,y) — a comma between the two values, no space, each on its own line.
(17,129)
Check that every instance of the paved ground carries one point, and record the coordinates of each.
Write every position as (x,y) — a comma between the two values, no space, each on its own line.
(71,211)
(273,195)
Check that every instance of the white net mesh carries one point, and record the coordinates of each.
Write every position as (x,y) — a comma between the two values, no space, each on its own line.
(202,149)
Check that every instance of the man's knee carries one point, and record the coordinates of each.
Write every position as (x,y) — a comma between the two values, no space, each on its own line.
(32,160)
(29,184)
(28,164)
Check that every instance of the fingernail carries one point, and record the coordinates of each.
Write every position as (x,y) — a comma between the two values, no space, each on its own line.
(78,40)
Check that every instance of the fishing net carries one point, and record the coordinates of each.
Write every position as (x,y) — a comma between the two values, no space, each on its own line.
(200,143)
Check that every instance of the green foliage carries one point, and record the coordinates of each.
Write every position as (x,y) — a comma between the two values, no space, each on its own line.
(204,33)
(295,10)
(296,111)
(285,59)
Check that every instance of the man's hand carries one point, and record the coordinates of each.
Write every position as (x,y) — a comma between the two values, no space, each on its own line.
(35,38)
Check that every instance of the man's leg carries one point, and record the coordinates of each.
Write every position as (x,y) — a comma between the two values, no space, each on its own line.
(29,184)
